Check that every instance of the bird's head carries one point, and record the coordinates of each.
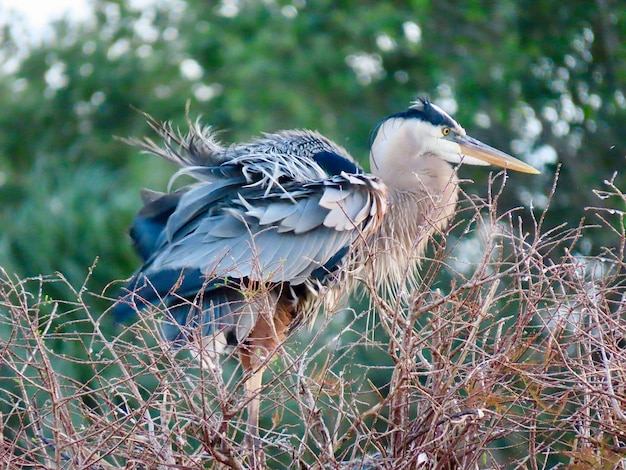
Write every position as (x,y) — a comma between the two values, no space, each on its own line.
(413,148)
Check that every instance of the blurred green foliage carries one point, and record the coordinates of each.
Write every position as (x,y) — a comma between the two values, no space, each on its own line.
(541,79)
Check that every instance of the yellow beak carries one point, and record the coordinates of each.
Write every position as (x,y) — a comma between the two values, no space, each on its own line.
(475,148)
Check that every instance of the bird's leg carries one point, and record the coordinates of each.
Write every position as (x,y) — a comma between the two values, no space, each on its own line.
(253,386)
(261,344)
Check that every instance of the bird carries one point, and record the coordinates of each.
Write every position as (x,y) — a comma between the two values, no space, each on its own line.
(272,229)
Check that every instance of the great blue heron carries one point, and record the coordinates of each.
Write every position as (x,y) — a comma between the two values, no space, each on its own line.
(273,227)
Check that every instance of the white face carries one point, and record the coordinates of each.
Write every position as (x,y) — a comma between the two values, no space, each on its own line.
(442,145)
(407,151)
(410,154)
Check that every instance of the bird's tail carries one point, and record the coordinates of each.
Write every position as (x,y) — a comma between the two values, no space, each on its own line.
(196,147)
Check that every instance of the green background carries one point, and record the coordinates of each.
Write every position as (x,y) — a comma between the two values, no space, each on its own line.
(543,80)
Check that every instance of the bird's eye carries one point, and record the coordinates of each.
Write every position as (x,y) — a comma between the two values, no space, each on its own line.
(446,131)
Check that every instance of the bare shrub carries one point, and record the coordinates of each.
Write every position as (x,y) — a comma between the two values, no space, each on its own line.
(510,355)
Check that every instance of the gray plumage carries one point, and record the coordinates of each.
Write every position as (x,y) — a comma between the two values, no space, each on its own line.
(285,211)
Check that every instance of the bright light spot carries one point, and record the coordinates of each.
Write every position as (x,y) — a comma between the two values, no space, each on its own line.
(145,30)
(569,111)
(204,92)
(575,140)
(85,127)
(367,67)
(39,15)
(176,10)
(533,127)
(448,104)
(191,70)
(568,108)
(562,73)
(446,100)
(527,125)
(229,8)
(55,77)
(519,146)
(143,51)
(549,114)
(542,156)
(595,101)
(55,204)
(558,86)
(289,11)
(560,128)
(401,76)
(497,72)
(543,69)
(82,108)
(11,65)
(620,99)
(118,49)
(533,199)
(163,91)
(112,13)
(570,61)
(591,125)
(20,85)
(470,250)
(170,33)
(385,43)
(482,120)
(597,76)
(412,32)
(89,47)
(97,98)
(141,5)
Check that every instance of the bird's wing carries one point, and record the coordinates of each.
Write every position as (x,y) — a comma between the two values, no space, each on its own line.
(277,237)
(147,228)
(236,228)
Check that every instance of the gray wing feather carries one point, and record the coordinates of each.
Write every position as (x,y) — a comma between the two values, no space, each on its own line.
(316,254)
(274,210)
(262,254)
(195,202)
(307,216)
(301,255)
(332,196)
(273,256)
(220,227)
(343,211)
(277,211)
(258,216)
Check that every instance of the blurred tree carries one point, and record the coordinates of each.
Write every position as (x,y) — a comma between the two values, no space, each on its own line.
(541,79)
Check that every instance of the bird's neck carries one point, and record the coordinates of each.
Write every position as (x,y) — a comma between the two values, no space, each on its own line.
(412,218)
